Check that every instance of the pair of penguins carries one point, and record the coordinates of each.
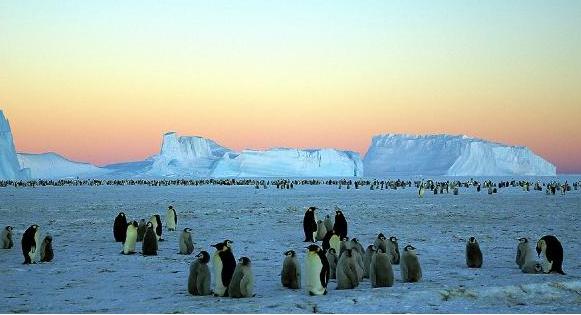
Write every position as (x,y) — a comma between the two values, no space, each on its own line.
(30,243)
(233,280)
(548,246)
(149,234)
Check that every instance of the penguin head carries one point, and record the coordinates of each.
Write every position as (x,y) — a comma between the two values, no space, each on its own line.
(381,236)
(409,249)
(48,239)
(9,228)
(523,240)
(372,248)
(354,240)
(541,246)
(344,239)
(312,209)
(290,253)
(122,214)
(35,227)
(245,261)
(219,246)
(149,225)
(203,257)
(170,207)
(313,248)
(538,267)
(472,240)
(228,243)
(187,230)
(134,223)
(332,251)
(393,239)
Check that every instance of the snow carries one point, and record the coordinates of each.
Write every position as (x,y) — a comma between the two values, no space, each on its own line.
(9,166)
(289,162)
(89,275)
(53,166)
(433,155)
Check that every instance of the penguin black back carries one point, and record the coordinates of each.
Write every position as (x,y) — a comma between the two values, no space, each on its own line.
(553,251)
(120,227)
(309,224)
(340,224)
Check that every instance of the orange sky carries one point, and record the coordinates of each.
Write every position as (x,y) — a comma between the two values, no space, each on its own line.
(101,82)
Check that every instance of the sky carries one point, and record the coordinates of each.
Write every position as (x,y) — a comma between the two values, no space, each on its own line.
(101,81)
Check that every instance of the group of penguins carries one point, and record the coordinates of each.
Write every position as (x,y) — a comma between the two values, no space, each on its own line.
(346,261)
(236,279)
(337,258)
(32,249)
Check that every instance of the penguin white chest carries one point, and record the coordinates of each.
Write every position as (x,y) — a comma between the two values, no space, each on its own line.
(130,239)
(313,266)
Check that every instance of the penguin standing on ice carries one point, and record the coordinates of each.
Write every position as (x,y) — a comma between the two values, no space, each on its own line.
(473,253)
(328,223)
(381,242)
(332,259)
(30,243)
(290,277)
(381,270)
(242,284)
(347,277)
(157,227)
(532,266)
(200,278)
(224,265)
(340,223)
(310,225)
(171,218)
(552,250)
(186,243)
(523,252)
(120,227)
(149,245)
(316,271)
(130,238)
(321,230)
(46,252)
(421,190)
(371,249)
(393,248)
(141,228)
(7,242)
(410,268)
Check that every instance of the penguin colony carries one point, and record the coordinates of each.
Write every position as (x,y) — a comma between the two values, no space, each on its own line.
(338,258)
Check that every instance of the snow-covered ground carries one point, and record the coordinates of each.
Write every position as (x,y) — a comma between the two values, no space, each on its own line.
(89,274)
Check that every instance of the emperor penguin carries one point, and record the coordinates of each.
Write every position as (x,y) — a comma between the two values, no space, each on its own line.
(130,238)
(242,284)
(316,271)
(381,242)
(340,223)
(224,265)
(310,225)
(345,244)
(393,250)
(7,241)
(328,223)
(347,277)
(358,253)
(186,243)
(381,270)
(149,245)
(532,266)
(421,190)
(141,228)
(321,230)
(30,242)
(473,253)
(171,218)
(157,226)
(120,227)
(552,250)
(332,259)
(200,278)
(410,268)
(290,277)
(371,249)
(46,252)
(524,252)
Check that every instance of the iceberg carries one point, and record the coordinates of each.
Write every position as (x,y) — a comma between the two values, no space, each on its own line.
(433,155)
(53,166)
(10,168)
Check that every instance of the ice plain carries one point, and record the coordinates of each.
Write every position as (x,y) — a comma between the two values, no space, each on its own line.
(89,274)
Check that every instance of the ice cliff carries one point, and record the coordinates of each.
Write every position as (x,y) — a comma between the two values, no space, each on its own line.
(53,166)
(10,168)
(400,155)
